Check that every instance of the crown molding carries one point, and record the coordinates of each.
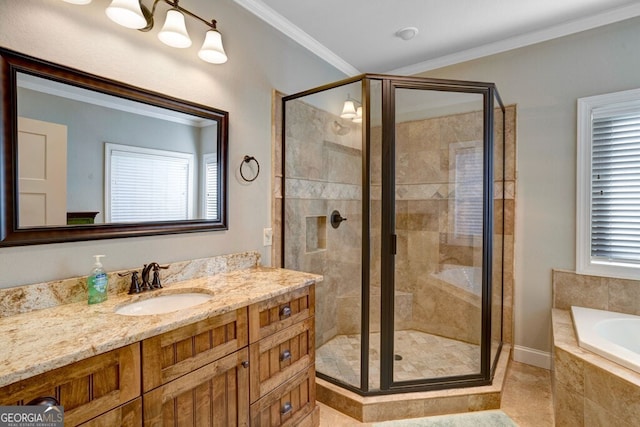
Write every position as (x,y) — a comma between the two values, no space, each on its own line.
(280,23)
(556,31)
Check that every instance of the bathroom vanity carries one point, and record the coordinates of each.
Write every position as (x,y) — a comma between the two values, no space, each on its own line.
(246,357)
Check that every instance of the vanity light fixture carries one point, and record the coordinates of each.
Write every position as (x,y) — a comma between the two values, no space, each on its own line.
(174,32)
(135,15)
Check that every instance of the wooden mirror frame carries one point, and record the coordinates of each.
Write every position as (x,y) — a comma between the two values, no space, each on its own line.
(10,234)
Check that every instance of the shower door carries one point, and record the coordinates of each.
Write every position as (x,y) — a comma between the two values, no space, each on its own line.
(393,204)
(434,192)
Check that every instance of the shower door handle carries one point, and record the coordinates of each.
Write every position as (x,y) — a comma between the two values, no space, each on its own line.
(394,244)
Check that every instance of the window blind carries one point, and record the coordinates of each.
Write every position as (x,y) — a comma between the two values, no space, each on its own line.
(468,194)
(615,186)
(148,186)
(211,190)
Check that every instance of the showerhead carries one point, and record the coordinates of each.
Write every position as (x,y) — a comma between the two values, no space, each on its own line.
(340,129)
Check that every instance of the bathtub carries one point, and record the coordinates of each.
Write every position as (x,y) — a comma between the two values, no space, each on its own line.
(467,278)
(614,336)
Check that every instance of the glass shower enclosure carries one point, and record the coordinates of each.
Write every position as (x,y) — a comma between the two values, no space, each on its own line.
(392,190)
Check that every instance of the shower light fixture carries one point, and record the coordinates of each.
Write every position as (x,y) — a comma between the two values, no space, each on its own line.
(350,111)
(358,117)
(133,14)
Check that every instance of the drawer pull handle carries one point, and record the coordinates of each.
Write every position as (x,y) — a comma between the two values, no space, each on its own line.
(245,364)
(288,407)
(286,355)
(286,311)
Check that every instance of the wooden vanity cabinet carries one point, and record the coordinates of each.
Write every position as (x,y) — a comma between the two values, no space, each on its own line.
(253,365)
(86,388)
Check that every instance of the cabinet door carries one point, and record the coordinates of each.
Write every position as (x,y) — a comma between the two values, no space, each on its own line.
(127,415)
(178,352)
(288,405)
(215,395)
(86,388)
(277,358)
(271,316)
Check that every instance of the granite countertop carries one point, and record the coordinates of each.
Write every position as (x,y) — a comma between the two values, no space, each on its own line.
(42,340)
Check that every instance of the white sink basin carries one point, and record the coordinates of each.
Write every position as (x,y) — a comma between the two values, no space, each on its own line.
(163,304)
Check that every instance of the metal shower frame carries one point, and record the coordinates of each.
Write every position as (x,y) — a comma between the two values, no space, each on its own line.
(389,85)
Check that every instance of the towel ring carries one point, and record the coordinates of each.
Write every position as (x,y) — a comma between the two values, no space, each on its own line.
(248,159)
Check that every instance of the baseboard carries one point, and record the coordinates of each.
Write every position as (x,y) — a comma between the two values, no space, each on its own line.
(531,356)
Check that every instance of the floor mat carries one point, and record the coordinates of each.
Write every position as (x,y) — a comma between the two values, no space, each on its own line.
(471,419)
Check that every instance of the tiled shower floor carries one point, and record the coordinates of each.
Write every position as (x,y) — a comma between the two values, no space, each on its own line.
(423,356)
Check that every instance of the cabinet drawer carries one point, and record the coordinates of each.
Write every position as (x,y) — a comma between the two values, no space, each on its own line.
(127,415)
(287,405)
(268,317)
(279,357)
(178,352)
(86,388)
(215,395)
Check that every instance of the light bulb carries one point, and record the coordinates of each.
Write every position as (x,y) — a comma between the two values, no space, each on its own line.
(358,117)
(127,13)
(349,110)
(78,1)
(212,50)
(174,32)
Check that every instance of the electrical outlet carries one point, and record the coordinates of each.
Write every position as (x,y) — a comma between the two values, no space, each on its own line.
(267,236)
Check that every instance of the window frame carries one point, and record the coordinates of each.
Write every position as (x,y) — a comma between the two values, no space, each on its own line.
(207,159)
(609,103)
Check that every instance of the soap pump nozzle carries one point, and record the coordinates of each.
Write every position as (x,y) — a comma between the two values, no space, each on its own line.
(98,263)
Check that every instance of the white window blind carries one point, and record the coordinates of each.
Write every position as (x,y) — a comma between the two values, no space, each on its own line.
(608,185)
(615,187)
(147,184)
(210,168)
(468,190)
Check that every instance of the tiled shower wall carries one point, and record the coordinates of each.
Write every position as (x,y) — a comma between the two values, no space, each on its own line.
(324,173)
(424,223)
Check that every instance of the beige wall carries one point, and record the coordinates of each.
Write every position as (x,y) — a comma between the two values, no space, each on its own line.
(260,59)
(545,80)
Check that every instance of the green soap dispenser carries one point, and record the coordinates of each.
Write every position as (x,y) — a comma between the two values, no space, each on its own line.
(97,282)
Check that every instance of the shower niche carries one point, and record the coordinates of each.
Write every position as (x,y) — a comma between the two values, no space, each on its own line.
(414,281)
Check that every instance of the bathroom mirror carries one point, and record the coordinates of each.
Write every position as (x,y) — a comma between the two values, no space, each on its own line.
(84,157)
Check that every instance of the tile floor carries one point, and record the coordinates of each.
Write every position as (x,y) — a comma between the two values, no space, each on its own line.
(526,399)
(340,357)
